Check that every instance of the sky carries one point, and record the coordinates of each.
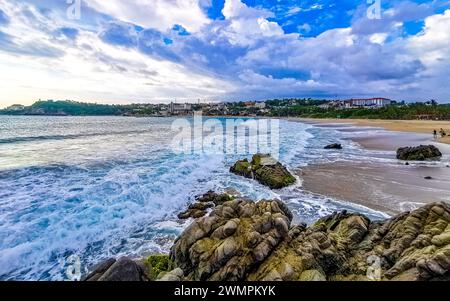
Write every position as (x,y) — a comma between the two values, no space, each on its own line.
(152,51)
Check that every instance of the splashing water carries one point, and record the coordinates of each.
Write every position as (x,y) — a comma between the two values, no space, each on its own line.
(99,187)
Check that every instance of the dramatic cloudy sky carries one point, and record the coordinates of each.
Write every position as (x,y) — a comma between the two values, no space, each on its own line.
(123,51)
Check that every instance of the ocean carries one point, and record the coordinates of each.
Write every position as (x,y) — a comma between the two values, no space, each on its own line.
(89,188)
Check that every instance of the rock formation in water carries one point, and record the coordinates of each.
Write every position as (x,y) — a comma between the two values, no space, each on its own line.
(265,170)
(419,153)
(203,203)
(333,146)
(244,240)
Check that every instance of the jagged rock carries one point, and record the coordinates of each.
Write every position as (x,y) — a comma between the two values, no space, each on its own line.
(196,210)
(242,240)
(175,275)
(215,198)
(204,202)
(123,269)
(419,153)
(229,242)
(334,146)
(265,170)
(99,270)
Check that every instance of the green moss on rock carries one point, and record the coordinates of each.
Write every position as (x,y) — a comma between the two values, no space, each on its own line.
(158,264)
(265,170)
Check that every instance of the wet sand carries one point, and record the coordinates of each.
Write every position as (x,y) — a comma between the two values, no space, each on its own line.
(390,188)
(384,188)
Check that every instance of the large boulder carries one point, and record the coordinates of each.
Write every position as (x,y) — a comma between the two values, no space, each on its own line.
(226,245)
(243,240)
(419,153)
(123,269)
(265,170)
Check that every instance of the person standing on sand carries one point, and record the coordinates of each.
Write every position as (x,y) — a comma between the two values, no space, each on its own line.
(435,134)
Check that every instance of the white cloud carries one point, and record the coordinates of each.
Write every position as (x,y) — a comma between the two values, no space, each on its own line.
(90,70)
(378,38)
(243,56)
(304,28)
(160,14)
(435,35)
(432,47)
(246,24)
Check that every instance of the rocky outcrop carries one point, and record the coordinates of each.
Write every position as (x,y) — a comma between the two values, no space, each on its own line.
(243,240)
(123,269)
(126,269)
(333,146)
(203,203)
(265,170)
(419,153)
(232,240)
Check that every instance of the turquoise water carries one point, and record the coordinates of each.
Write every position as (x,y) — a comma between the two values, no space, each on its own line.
(96,187)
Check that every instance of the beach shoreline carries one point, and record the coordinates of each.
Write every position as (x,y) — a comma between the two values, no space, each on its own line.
(407,126)
(388,187)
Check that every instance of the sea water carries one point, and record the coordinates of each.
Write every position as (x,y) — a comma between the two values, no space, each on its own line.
(83,189)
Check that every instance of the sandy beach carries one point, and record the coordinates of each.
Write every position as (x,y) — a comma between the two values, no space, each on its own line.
(381,186)
(410,126)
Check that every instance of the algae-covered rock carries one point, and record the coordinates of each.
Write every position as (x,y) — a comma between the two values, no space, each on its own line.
(265,170)
(157,264)
(204,202)
(229,242)
(242,168)
(243,240)
(419,153)
(312,275)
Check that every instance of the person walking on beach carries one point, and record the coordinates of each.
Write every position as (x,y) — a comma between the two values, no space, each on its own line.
(435,134)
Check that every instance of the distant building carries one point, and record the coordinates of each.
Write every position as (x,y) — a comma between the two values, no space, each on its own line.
(250,104)
(180,108)
(260,105)
(368,102)
(325,106)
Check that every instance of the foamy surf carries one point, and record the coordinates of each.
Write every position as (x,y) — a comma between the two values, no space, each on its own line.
(97,196)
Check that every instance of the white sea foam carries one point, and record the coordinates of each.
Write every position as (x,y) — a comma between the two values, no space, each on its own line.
(97,195)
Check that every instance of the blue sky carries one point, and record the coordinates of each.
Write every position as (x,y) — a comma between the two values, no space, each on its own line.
(119,51)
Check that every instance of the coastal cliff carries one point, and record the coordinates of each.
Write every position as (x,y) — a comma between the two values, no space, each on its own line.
(245,240)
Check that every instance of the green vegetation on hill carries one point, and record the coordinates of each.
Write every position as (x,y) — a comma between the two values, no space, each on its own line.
(65,107)
(75,108)
(395,111)
(307,108)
